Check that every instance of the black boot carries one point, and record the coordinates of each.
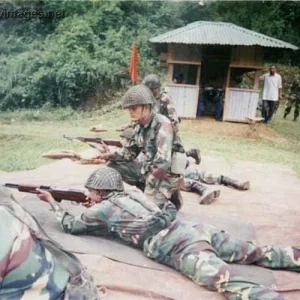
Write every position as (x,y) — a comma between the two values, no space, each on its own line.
(195,154)
(237,184)
(177,200)
(295,118)
(207,195)
(285,114)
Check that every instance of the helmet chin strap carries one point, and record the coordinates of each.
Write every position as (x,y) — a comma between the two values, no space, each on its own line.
(143,110)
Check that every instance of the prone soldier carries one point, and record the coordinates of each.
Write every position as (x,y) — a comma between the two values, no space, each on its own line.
(199,252)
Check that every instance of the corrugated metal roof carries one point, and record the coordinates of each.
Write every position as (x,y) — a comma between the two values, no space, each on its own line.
(219,33)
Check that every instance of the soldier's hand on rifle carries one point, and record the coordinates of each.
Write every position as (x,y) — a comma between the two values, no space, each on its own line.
(88,203)
(44,195)
(99,147)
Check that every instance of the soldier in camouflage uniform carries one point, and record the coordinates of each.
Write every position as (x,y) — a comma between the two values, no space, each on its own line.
(194,179)
(164,105)
(199,252)
(158,174)
(294,98)
(32,266)
(192,175)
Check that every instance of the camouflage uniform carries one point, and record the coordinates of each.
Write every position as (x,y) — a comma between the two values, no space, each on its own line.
(155,141)
(29,266)
(158,142)
(192,175)
(199,252)
(164,105)
(294,98)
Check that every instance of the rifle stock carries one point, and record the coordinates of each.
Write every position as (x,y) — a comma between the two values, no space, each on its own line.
(57,194)
(108,142)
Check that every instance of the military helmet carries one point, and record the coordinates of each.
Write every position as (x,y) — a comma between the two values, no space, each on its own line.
(127,134)
(151,81)
(138,95)
(105,179)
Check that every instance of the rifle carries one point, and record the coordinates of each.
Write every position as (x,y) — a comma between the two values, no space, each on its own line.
(58,194)
(107,142)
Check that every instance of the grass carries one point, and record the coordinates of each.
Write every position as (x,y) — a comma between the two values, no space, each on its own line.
(25,135)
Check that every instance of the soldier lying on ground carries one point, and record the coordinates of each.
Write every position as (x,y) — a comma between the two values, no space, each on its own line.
(32,266)
(199,252)
(160,174)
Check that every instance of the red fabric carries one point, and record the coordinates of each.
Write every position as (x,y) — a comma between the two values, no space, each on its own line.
(133,70)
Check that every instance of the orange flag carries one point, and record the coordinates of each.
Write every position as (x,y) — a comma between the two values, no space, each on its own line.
(133,70)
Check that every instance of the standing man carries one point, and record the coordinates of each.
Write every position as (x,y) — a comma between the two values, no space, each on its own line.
(32,266)
(199,252)
(160,173)
(271,93)
(293,98)
(164,106)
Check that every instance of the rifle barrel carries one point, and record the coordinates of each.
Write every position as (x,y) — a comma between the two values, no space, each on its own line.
(11,185)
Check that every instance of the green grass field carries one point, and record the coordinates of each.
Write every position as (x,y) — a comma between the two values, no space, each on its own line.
(25,135)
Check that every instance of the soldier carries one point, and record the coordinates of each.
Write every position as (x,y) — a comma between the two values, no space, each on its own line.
(160,172)
(32,266)
(165,106)
(200,252)
(191,181)
(194,179)
(192,175)
(294,98)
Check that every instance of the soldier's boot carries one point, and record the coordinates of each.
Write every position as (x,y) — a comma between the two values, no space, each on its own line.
(207,195)
(195,154)
(237,184)
(295,118)
(285,114)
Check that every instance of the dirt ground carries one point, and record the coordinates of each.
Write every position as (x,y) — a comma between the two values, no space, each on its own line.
(272,205)
(231,129)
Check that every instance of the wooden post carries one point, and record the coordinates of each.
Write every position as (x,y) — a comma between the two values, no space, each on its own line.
(199,86)
(170,73)
(256,80)
(226,93)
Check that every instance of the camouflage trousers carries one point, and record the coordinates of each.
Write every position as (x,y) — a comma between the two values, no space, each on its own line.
(289,104)
(162,191)
(191,175)
(200,252)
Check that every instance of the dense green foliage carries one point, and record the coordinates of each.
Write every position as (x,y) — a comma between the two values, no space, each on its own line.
(78,58)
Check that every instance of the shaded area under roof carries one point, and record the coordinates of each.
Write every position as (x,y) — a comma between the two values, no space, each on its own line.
(219,33)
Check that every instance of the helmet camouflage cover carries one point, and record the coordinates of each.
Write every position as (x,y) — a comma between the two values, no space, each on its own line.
(105,179)
(138,95)
(151,81)
(127,134)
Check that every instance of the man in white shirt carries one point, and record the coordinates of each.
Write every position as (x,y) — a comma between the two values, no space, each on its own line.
(271,93)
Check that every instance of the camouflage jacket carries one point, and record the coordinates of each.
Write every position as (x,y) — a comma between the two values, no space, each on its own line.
(130,216)
(164,106)
(156,140)
(27,269)
(295,87)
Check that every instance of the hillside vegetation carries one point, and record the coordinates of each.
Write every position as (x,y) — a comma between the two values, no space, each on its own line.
(83,55)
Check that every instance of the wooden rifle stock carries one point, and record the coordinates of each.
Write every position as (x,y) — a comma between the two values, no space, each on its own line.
(57,194)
